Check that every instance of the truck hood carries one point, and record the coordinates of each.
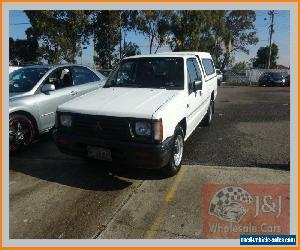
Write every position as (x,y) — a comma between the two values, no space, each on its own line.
(120,102)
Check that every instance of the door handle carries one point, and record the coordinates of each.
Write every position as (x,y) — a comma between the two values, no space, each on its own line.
(74,92)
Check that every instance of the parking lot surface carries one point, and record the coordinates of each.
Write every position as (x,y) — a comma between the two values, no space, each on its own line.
(57,196)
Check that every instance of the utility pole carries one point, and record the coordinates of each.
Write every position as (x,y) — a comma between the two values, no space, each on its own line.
(271,13)
(124,46)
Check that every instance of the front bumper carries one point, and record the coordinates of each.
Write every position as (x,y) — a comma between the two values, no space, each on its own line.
(132,154)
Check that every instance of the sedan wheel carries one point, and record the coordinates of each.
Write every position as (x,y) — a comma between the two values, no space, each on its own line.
(21,132)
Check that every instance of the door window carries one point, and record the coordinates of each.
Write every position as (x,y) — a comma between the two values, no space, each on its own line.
(61,78)
(208,66)
(194,73)
(83,75)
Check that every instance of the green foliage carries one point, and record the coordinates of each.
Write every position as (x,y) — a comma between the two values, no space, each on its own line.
(152,24)
(239,33)
(186,29)
(219,32)
(106,29)
(262,55)
(60,33)
(240,67)
(24,51)
(131,49)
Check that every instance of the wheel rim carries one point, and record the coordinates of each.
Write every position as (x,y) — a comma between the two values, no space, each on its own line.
(20,133)
(178,150)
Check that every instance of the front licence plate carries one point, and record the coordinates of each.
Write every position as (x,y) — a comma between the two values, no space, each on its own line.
(98,153)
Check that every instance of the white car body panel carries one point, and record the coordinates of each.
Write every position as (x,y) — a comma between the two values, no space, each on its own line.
(120,102)
(172,106)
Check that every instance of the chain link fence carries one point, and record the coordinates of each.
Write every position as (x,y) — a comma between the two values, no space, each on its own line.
(249,77)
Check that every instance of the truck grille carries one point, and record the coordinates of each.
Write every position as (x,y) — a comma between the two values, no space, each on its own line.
(103,127)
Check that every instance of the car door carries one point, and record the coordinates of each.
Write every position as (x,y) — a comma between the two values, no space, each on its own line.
(85,79)
(64,91)
(195,107)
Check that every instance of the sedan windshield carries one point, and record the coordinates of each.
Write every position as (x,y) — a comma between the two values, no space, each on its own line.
(149,72)
(23,80)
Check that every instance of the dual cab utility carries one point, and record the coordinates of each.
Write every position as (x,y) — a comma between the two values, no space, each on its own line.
(146,110)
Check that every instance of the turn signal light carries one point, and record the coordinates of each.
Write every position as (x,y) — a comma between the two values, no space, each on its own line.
(158,130)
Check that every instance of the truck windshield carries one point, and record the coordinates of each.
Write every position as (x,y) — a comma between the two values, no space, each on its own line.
(148,72)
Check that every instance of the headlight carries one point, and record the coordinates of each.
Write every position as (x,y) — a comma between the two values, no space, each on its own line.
(143,128)
(283,80)
(65,120)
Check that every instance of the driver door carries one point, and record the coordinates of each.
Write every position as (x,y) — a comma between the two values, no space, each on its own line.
(64,91)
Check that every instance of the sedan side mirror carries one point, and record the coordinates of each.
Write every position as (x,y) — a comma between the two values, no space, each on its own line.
(48,88)
(197,85)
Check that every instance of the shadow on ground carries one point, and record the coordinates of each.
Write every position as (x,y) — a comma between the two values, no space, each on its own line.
(43,160)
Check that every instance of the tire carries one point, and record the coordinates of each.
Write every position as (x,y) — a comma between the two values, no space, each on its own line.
(208,117)
(22,132)
(174,164)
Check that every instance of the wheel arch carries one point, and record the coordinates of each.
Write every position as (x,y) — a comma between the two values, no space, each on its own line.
(182,123)
(212,96)
(30,116)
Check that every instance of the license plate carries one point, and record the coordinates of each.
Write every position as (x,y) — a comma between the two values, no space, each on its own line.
(98,153)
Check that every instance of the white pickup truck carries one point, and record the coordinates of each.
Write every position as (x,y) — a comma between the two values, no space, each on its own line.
(146,110)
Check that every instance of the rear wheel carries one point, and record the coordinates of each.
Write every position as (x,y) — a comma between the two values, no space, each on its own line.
(21,132)
(174,164)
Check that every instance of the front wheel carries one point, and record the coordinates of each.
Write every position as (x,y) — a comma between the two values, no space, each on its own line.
(174,164)
(21,132)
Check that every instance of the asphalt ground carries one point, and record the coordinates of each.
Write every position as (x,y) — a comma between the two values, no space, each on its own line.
(57,196)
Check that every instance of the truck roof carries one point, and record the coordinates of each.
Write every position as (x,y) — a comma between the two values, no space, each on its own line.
(189,53)
(175,54)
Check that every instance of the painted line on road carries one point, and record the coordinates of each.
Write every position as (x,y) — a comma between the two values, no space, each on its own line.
(170,195)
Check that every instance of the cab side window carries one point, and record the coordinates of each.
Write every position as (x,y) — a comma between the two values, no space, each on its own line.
(208,66)
(194,73)
(60,78)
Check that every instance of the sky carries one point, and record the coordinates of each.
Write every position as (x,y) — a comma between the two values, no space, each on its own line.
(18,23)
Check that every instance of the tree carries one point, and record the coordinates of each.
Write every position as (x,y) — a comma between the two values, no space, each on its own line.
(24,51)
(219,32)
(131,49)
(152,24)
(239,33)
(106,28)
(60,33)
(185,29)
(261,59)
(240,67)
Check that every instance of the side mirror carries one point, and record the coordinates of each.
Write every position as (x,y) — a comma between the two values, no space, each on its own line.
(197,85)
(48,88)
